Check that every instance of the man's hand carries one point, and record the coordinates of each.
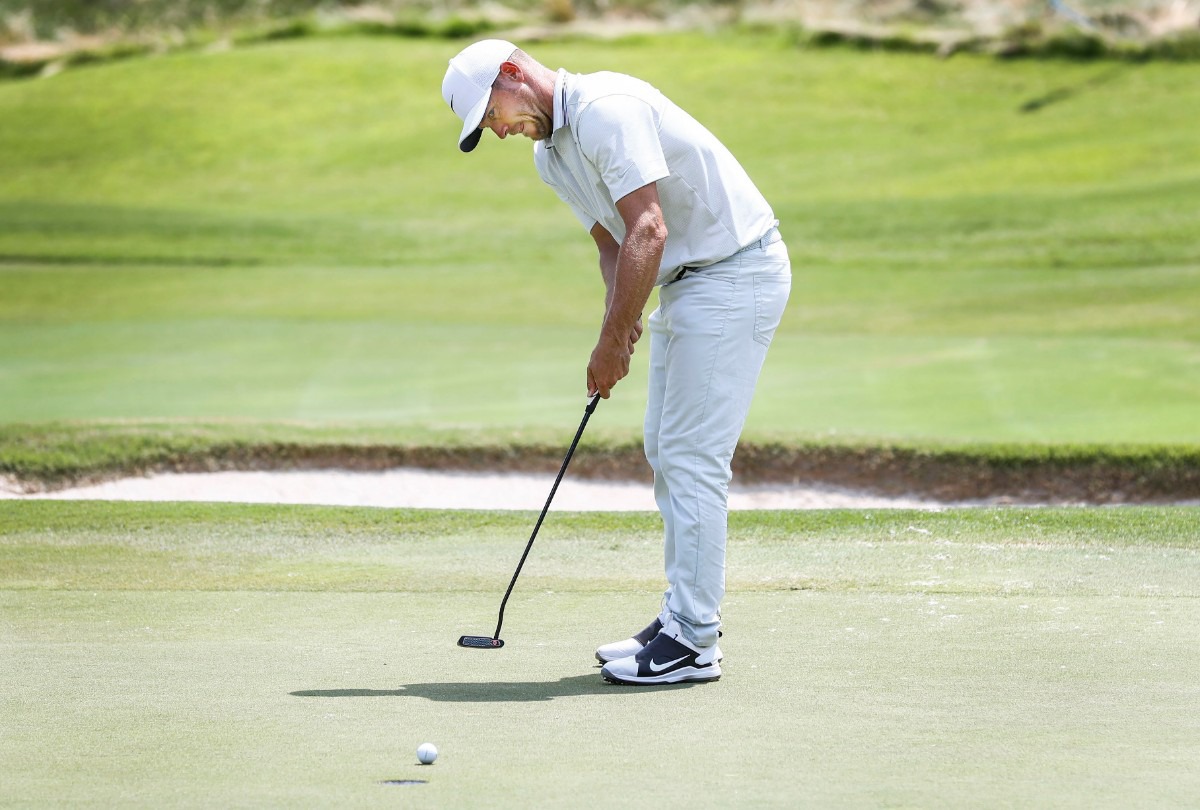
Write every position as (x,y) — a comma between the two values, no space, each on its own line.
(635,334)
(609,363)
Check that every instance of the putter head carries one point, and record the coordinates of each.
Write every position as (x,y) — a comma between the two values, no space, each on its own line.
(480,642)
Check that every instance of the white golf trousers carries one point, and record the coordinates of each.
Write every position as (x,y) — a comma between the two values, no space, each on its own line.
(708,340)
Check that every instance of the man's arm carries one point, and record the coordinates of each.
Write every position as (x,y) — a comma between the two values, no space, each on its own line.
(629,270)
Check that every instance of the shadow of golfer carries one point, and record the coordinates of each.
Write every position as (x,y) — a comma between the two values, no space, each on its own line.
(505,692)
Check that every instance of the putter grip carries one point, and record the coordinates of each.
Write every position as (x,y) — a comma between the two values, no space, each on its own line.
(592,403)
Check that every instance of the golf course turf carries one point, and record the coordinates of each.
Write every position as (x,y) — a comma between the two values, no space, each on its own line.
(181,655)
(272,255)
(284,233)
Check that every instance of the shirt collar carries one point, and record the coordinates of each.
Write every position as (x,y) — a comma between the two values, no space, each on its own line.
(560,100)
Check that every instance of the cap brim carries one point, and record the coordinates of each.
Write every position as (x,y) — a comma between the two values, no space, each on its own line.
(471,133)
(471,141)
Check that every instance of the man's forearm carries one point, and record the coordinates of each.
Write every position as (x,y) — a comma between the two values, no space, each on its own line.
(630,270)
(630,279)
(608,272)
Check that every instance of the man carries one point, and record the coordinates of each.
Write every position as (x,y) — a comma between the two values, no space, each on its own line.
(667,206)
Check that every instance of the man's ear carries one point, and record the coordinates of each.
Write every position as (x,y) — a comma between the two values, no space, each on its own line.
(512,72)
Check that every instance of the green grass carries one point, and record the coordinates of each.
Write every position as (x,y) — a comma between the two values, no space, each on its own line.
(278,246)
(285,232)
(174,655)
(156,547)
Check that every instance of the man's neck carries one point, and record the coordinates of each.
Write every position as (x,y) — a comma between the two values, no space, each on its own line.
(541,81)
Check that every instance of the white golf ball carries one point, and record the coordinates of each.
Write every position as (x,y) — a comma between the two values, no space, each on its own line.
(426,753)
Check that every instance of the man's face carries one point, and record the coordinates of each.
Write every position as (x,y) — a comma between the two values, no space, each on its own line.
(512,111)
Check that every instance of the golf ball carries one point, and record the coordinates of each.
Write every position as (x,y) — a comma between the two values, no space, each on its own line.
(426,753)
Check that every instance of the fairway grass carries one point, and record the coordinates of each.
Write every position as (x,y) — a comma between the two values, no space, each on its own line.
(168,655)
(285,232)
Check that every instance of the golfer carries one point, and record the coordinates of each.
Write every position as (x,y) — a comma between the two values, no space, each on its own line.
(668,206)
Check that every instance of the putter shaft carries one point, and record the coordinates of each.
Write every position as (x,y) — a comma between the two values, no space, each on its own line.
(587,413)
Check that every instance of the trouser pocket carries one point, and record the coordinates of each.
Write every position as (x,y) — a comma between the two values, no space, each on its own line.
(770,299)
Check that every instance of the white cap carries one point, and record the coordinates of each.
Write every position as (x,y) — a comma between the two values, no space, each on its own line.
(468,84)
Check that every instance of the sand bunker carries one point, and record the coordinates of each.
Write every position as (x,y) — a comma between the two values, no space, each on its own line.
(445,490)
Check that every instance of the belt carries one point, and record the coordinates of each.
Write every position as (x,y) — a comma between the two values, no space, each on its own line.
(771,237)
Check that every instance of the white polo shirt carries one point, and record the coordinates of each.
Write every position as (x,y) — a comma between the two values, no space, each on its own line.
(614,134)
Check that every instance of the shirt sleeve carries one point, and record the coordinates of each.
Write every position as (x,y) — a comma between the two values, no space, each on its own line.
(619,135)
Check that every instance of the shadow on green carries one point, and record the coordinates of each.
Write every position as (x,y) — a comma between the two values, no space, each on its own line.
(507,692)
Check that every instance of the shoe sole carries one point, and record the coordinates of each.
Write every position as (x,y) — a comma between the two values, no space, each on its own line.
(695,676)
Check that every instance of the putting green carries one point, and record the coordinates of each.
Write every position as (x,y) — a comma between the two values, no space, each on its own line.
(166,655)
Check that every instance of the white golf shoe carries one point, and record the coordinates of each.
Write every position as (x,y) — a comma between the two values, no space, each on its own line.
(630,646)
(668,658)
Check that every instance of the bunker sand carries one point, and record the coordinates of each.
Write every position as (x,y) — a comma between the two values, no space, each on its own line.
(430,489)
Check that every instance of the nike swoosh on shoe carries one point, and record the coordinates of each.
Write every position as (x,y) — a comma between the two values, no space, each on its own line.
(656,667)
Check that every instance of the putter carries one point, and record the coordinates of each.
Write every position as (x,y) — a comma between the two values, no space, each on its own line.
(495,642)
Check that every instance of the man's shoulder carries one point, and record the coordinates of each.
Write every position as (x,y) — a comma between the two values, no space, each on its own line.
(593,88)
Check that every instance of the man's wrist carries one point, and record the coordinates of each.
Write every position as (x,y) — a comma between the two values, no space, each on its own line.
(614,335)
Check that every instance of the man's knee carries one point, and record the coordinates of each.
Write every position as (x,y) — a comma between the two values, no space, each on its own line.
(684,462)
